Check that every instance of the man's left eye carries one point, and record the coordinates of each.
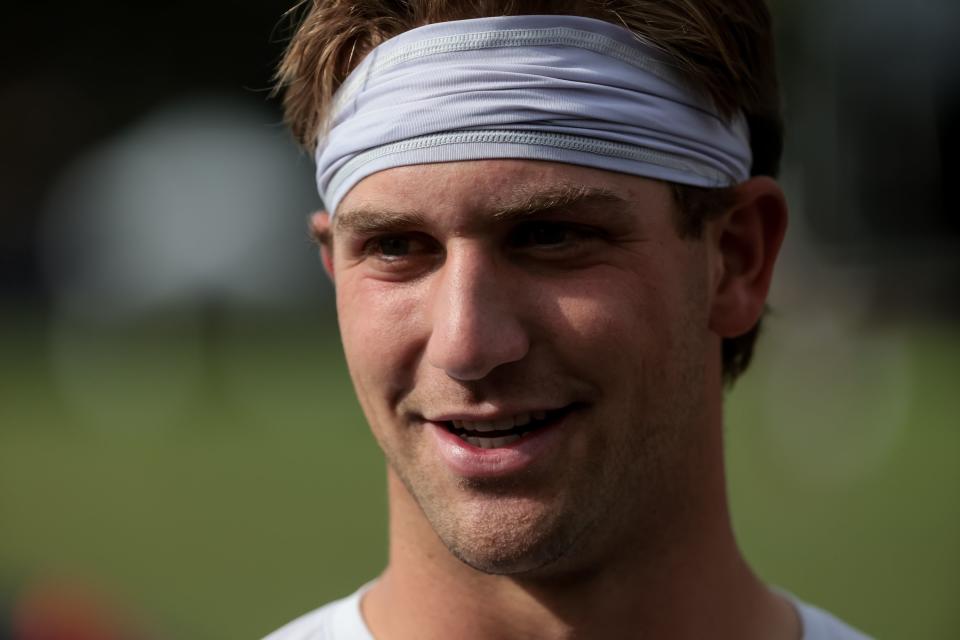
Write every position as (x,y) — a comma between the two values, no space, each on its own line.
(546,235)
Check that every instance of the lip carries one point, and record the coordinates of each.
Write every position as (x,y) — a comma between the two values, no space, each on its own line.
(468,461)
(487,416)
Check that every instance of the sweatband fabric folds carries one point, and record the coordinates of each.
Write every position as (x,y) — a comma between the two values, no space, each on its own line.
(560,88)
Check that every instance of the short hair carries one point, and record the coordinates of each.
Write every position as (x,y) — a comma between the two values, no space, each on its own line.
(724,48)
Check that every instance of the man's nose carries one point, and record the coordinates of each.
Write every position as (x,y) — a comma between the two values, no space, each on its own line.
(475,314)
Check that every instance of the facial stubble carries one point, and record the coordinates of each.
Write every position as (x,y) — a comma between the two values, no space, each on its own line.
(542,525)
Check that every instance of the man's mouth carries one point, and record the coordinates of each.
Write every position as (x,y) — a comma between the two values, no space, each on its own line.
(492,434)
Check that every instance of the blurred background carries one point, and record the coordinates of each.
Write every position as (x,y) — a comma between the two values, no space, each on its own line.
(181,455)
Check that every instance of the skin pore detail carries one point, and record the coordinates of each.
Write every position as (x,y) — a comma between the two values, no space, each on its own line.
(472,293)
(490,350)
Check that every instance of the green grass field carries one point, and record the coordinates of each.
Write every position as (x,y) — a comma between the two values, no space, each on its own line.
(216,482)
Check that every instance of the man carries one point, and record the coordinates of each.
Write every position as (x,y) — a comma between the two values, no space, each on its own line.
(551,228)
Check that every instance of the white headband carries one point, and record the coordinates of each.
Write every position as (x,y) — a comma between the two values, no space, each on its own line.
(561,88)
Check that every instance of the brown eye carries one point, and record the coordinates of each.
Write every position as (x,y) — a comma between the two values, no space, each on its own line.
(392,246)
(547,234)
(551,235)
(539,234)
(396,252)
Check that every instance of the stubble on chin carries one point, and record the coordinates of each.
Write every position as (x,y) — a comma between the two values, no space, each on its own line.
(494,526)
(622,497)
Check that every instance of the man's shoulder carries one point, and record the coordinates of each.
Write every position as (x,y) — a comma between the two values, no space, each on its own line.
(337,620)
(820,625)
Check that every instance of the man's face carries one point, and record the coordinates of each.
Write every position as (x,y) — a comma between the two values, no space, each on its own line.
(528,341)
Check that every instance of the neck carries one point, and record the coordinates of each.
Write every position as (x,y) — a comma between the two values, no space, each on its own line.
(680,591)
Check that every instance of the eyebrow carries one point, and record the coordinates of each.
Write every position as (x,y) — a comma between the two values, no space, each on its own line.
(525,204)
(561,198)
(370,219)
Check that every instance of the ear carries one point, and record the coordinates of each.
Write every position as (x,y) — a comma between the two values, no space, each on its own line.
(745,242)
(321,230)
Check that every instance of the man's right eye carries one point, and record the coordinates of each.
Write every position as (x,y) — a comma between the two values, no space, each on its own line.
(390,246)
(400,251)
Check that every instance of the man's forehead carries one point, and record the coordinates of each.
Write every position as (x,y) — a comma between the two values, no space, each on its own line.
(496,190)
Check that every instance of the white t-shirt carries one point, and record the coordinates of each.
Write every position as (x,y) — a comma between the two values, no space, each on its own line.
(341,620)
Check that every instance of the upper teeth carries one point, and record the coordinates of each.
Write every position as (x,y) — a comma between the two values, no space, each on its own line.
(500,424)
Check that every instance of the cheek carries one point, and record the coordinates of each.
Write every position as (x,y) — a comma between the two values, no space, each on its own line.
(590,326)
(612,307)
(379,329)
(628,322)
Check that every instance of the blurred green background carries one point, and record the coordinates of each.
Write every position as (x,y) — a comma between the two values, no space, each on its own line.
(222,510)
(181,454)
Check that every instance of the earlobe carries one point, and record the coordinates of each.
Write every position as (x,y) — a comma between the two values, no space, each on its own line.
(746,241)
(322,233)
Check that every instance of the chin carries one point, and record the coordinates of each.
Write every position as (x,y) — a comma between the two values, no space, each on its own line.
(506,560)
(509,537)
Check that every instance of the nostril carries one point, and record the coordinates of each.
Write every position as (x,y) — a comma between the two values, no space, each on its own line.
(473,352)
(476,324)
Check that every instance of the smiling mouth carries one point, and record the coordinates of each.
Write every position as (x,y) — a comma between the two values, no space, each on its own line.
(493,434)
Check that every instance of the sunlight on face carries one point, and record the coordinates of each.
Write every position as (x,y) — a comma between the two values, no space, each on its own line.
(521,295)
